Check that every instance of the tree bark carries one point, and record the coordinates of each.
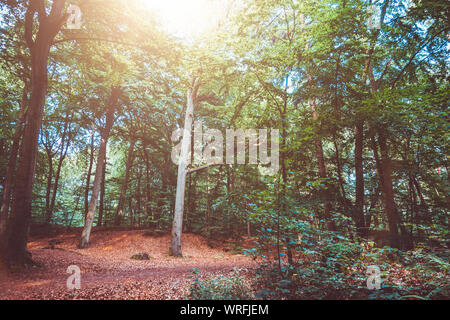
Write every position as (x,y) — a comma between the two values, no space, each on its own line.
(388,189)
(49,26)
(50,155)
(89,173)
(11,167)
(321,168)
(10,170)
(318,142)
(62,155)
(358,211)
(112,106)
(207,213)
(148,192)
(384,168)
(101,208)
(138,198)
(177,226)
(384,164)
(129,164)
(362,225)
(282,194)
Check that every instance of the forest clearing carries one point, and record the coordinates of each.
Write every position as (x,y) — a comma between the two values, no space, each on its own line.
(108,272)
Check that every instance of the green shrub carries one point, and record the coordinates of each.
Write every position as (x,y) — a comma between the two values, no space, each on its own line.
(233,287)
(338,271)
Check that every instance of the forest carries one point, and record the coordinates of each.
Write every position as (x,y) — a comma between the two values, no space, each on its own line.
(224,149)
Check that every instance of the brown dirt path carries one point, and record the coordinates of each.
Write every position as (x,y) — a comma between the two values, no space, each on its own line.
(107,272)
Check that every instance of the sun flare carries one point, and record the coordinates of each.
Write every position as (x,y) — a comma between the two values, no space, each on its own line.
(189,18)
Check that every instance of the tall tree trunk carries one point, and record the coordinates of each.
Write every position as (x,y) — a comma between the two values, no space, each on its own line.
(358,210)
(318,142)
(320,158)
(419,192)
(192,197)
(148,192)
(207,213)
(231,220)
(10,170)
(129,164)
(130,206)
(282,194)
(189,205)
(388,189)
(177,226)
(49,26)
(101,208)
(62,155)
(384,164)
(228,185)
(112,106)
(3,155)
(50,155)
(89,173)
(11,167)
(360,220)
(384,168)
(138,198)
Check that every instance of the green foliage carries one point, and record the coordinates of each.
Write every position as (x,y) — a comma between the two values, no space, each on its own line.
(337,270)
(231,287)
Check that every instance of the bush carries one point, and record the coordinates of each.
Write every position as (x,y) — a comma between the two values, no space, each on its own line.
(233,287)
(338,271)
(323,273)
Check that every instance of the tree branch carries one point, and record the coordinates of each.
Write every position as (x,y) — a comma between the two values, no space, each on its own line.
(203,167)
(400,75)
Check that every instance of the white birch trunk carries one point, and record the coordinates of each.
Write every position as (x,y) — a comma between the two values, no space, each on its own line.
(184,161)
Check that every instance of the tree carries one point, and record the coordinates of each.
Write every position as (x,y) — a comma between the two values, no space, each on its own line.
(112,105)
(128,166)
(48,27)
(184,160)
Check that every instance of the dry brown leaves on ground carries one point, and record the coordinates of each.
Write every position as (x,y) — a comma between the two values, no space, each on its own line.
(107,272)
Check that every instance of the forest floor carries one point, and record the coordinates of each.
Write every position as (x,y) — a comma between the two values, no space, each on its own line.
(108,272)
